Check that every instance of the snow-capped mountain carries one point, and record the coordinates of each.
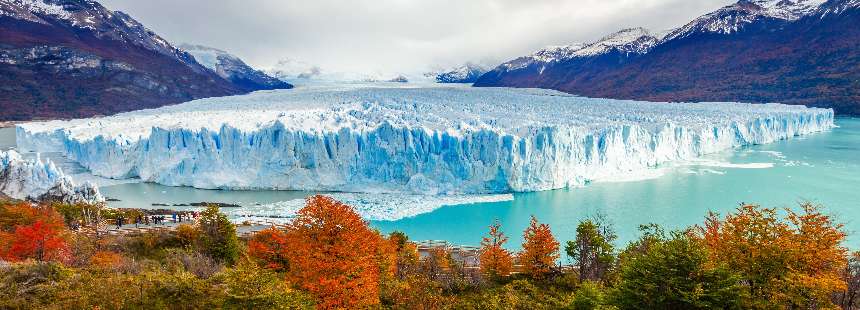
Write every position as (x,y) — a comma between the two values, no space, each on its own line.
(735,17)
(634,41)
(467,73)
(614,48)
(95,18)
(75,58)
(233,69)
(790,51)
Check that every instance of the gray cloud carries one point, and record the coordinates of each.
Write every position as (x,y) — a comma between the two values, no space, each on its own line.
(399,35)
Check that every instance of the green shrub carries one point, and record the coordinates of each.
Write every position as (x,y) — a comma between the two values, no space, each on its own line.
(673,273)
(218,236)
(250,286)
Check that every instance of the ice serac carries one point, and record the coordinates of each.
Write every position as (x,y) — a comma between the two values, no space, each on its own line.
(442,140)
(37,180)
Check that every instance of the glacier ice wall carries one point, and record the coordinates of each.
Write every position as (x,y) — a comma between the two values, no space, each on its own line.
(410,140)
(37,180)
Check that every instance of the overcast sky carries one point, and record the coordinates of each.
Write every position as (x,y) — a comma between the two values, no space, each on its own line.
(399,35)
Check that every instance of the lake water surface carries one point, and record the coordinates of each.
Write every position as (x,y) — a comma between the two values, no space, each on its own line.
(823,168)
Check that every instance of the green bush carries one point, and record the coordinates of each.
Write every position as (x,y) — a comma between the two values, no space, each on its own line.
(673,273)
(218,236)
(590,296)
(519,294)
(250,286)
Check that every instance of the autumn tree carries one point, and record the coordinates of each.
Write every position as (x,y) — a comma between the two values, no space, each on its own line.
(790,262)
(850,297)
(218,236)
(106,259)
(408,259)
(592,251)
(412,288)
(15,214)
(270,246)
(30,231)
(673,272)
(43,240)
(540,250)
(334,255)
(495,260)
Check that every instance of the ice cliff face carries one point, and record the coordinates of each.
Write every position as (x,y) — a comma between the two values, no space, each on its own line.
(410,140)
(41,181)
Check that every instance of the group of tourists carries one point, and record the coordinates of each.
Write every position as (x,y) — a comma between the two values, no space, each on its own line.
(156,219)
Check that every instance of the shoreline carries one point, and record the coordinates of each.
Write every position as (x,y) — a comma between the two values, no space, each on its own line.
(10,124)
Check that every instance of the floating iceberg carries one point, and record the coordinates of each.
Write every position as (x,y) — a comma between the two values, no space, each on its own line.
(423,140)
(374,207)
(36,180)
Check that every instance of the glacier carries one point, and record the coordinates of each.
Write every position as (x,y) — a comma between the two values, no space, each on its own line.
(37,180)
(410,139)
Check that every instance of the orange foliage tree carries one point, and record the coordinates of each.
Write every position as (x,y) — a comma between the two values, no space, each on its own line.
(32,232)
(333,254)
(106,259)
(407,253)
(793,261)
(15,214)
(270,247)
(43,240)
(495,260)
(540,250)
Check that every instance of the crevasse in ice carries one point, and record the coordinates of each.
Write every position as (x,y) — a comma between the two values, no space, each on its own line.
(437,140)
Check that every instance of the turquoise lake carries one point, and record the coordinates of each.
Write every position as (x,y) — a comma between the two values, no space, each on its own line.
(823,168)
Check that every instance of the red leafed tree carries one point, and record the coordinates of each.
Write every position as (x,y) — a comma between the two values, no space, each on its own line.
(6,240)
(495,260)
(270,246)
(43,240)
(540,250)
(333,254)
(35,232)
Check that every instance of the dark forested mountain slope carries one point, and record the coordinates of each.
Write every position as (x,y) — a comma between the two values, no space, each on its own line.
(75,58)
(795,52)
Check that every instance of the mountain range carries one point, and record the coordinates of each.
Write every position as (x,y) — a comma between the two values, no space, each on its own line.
(467,73)
(76,58)
(789,51)
(233,69)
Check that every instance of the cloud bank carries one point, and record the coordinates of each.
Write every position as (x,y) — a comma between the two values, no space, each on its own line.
(399,35)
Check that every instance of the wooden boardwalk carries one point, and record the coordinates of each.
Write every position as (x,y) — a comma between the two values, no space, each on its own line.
(246,229)
(464,254)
